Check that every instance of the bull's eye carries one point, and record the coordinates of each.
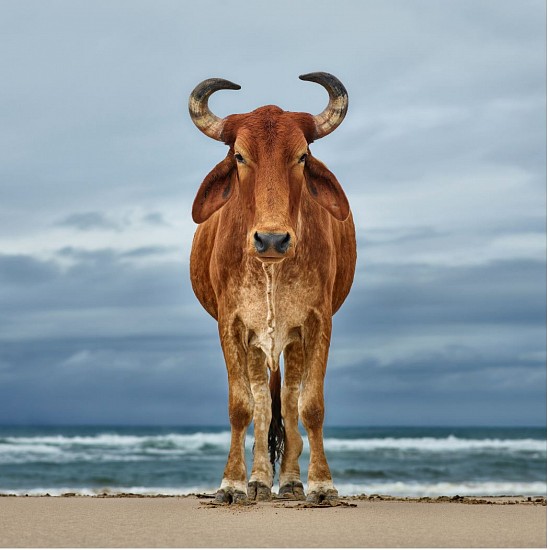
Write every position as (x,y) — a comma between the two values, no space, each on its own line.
(303,158)
(239,158)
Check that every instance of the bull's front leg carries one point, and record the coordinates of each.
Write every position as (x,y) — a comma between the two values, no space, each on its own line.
(290,475)
(317,336)
(240,410)
(260,482)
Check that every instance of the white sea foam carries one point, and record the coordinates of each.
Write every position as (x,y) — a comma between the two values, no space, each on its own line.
(128,448)
(464,488)
(434,444)
(109,447)
(198,440)
(409,489)
(195,440)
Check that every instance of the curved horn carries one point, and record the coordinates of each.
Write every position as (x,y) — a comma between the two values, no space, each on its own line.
(336,109)
(208,123)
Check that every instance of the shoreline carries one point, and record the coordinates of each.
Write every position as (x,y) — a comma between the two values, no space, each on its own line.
(135,520)
(536,500)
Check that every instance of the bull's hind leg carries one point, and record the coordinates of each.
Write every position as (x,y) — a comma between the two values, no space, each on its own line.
(317,335)
(290,473)
(260,482)
(240,409)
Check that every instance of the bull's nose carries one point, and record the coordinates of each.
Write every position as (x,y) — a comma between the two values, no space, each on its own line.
(271,241)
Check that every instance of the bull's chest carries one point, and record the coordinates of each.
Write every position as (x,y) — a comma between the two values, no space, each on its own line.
(270,309)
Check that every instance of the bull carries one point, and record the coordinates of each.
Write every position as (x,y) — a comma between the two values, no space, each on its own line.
(272,260)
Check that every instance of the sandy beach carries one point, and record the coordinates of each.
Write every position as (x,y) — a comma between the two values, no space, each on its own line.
(192,521)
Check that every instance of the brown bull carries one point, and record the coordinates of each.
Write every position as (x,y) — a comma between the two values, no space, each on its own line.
(272,260)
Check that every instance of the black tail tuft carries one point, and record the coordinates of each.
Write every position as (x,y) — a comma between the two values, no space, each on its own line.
(276,432)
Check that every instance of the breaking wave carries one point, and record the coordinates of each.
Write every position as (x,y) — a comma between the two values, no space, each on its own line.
(127,448)
(400,462)
(434,444)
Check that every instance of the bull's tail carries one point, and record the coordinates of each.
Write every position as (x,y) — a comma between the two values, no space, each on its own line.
(276,432)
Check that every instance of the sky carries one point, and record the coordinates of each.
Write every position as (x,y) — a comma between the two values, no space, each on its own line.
(442,156)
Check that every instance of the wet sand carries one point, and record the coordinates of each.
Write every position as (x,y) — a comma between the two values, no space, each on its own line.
(192,521)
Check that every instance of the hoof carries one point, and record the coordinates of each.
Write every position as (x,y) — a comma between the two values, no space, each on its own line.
(228,495)
(329,496)
(293,490)
(258,491)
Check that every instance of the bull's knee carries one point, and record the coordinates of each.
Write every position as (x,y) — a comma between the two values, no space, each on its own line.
(312,415)
(240,412)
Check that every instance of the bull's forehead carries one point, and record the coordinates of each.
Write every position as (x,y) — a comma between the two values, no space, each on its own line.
(269,129)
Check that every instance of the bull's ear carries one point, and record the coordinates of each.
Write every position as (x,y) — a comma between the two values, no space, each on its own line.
(215,190)
(325,189)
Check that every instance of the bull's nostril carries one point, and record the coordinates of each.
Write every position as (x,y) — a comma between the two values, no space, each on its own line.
(283,244)
(260,243)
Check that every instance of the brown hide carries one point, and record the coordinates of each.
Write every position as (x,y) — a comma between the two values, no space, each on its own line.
(277,302)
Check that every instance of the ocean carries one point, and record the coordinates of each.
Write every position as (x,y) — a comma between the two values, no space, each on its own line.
(179,460)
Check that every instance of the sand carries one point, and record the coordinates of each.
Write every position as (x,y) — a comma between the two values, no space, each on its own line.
(193,522)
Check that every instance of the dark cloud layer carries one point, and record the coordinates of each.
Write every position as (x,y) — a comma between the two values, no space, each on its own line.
(98,373)
(442,155)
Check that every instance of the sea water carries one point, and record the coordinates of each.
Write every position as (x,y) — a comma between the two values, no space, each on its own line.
(180,460)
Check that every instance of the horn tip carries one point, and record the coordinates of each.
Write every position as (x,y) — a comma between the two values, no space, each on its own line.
(223,84)
(314,77)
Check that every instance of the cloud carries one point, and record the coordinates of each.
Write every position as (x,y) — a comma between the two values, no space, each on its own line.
(442,156)
(400,338)
(98,292)
(25,270)
(87,221)
(450,386)
(109,254)
(155,218)
(147,251)
(102,379)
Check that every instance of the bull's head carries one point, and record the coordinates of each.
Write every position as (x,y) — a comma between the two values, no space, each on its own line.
(269,165)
